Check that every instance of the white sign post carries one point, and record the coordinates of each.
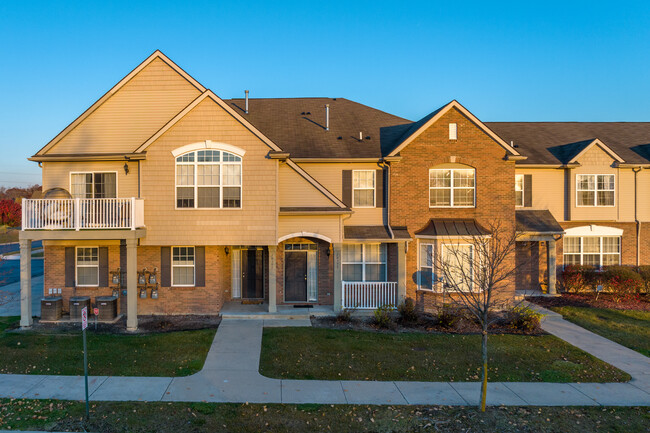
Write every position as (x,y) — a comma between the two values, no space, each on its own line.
(84,325)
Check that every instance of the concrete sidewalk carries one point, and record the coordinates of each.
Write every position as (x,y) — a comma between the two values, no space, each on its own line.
(231,374)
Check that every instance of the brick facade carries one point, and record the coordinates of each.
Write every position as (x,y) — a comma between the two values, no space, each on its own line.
(409,206)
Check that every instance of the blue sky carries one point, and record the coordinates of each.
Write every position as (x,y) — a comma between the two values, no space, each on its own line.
(516,61)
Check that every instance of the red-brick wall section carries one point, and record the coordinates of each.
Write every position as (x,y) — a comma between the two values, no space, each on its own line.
(495,198)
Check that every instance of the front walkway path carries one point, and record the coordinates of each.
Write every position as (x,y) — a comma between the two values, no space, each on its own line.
(231,374)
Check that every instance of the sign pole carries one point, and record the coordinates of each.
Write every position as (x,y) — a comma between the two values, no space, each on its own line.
(84,325)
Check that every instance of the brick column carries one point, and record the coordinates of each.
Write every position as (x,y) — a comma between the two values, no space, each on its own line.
(25,283)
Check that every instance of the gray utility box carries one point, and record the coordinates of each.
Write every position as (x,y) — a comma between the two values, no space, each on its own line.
(77,303)
(51,307)
(107,306)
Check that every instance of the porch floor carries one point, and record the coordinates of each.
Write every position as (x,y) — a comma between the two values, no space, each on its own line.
(236,310)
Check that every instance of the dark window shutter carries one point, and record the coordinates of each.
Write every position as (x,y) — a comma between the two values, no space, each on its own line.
(166,266)
(347,188)
(199,266)
(103,266)
(528,190)
(69,266)
(123,262)
(379,186)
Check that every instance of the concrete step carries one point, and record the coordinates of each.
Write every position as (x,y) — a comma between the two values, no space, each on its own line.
(265,316)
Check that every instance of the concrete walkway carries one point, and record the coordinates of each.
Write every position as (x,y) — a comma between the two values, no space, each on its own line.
(231,374)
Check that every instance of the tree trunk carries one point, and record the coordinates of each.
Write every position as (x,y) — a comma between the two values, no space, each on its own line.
(484,341)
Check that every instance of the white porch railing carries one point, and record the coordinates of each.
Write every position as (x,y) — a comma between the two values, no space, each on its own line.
(83,213)
(369,296)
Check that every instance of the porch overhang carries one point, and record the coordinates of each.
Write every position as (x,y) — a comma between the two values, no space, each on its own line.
(323,210)
(537,225)
(452,228)
(82,235)
(375,234)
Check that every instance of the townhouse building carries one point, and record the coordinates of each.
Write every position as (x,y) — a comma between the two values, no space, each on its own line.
(185,201)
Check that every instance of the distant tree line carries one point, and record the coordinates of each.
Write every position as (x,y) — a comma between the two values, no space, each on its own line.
(10,208)
(16,193)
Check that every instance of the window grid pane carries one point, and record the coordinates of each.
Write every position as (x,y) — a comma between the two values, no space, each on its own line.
(198,170)
(451,187)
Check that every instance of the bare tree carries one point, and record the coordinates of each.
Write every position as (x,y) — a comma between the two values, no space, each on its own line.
(475,272)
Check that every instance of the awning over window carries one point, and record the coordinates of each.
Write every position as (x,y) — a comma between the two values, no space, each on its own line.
(537,221)
(365,233)
(452,227)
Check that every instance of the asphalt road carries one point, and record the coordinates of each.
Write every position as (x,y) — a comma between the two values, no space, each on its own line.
(8,248)
(10,270)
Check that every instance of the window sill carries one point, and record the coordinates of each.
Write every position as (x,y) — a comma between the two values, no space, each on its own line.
(452,207)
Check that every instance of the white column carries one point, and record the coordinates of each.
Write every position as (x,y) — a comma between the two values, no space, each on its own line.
(338,286)
(551,267)
(131,284)
(25,283)
(272,279)
(401,272)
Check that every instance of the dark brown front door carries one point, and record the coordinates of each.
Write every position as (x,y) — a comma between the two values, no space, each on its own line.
(295,281)
(252,273)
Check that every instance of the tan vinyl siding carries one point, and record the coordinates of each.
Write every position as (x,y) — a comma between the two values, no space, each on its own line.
(254,224)
(548,190)
(326,225)
(330,175)
(594,161)
(296,191)
(133,114)
(57,175)
(643,197)
(625,195)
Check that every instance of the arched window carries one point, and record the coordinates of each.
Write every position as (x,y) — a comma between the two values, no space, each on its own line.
(208,179)
(452,185)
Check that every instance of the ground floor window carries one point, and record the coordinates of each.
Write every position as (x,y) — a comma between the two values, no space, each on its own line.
(457,259)
(87,266)
(364,262)
(592,250)
(183,266)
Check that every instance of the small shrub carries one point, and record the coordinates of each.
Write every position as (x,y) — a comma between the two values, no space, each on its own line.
(382,317)
(344,316)
(622,282)
(577,279)
(524,318)
(644,271)
(406,310)
(448,317)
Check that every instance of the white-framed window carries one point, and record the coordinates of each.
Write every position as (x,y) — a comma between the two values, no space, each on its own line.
(364,262)
(87,266)
(519,190)
(459,261)
(595,251)
(595,189)
(426,275)
(208,179)
(93,184)
(452,187)
(363,188)
(183,274)
(453,131)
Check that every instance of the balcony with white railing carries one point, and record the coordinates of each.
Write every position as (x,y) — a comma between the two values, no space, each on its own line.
(83,214)
(369,295)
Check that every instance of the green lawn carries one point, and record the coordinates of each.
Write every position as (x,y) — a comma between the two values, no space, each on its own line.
(627,327)
(134,417)
(317,353)
(166,354)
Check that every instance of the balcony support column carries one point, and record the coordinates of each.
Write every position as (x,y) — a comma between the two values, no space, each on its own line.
(338,284)
(131,284)
(26,283)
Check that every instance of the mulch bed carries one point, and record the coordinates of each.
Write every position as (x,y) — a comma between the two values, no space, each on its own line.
(146,325)
(589,300)
(427,324)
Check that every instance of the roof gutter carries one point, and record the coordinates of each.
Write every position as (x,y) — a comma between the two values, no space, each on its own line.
(90,157)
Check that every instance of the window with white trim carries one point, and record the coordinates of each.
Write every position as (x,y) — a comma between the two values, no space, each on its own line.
(426,274)
(363,188)
(183,266)
(595,251)
(452,187)
(93,185)
(87,266)
(595,189)
(458,259)
(453,131)
(364,262)
(519,189)
(208,179)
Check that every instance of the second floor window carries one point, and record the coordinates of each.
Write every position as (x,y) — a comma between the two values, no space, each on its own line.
(363,188)
(595,189)
(452,187)
(93,185)
(519,190)
(208,179)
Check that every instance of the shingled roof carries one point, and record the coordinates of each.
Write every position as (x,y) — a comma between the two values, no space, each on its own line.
(559,142)
(297,125)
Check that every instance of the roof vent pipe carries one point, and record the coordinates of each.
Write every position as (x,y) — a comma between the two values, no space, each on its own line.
(327,117)
(246,110)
